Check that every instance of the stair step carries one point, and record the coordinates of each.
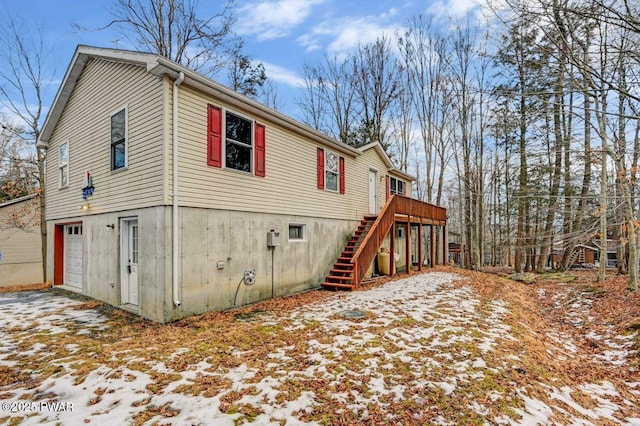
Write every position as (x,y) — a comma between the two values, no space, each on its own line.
(338,278)
(340,271)
(336,286)
(342,275)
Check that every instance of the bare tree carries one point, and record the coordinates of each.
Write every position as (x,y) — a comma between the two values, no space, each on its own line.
(270,96)
(246,77)
(401,124)
(22,85)
(18,168)
(328,101)
(174,29)
(461,70)
(424,53)
(377,85)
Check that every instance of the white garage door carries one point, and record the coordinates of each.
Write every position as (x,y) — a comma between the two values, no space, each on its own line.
(73,256)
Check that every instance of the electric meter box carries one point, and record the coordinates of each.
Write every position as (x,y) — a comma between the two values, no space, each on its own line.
(273,238)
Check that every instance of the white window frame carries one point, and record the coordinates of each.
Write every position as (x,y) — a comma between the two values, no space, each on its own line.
(126,140)
(393,185)
(63,166)
(336,172)
(252,168)
(303,226)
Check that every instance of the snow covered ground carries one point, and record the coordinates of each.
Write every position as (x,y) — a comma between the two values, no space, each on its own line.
(428,350)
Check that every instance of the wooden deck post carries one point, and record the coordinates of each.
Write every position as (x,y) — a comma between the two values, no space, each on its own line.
(445,246)
(420,245)
(407,246)
(432,246)
(392,247)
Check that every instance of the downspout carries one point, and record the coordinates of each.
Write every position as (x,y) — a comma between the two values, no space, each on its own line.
(174,222)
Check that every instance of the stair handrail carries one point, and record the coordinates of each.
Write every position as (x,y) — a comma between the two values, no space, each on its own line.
(395,204)
(389,209)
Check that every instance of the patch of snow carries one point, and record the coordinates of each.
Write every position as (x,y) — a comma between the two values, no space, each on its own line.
(429,326)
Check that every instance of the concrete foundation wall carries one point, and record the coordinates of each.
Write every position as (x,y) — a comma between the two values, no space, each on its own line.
(101,265)
(218,246)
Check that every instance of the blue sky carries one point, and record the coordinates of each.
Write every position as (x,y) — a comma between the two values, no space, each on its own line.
(282,34)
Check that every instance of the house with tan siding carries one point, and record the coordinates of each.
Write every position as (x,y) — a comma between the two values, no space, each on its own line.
(171,195)
(20,241)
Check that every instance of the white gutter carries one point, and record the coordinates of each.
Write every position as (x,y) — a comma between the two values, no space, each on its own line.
(174,222)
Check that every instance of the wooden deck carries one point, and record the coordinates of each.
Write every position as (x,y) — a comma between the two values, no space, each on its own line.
(363,246)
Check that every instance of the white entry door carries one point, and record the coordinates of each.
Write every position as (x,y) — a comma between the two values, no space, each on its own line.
(73,257)
(129,260)
(373,191)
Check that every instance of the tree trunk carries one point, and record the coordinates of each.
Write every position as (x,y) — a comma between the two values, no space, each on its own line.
(43,222)
(557,171)
(522,192)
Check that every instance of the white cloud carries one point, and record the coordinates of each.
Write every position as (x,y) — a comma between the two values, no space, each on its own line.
(283,75)
(342,35)
(451,8)
(273,19)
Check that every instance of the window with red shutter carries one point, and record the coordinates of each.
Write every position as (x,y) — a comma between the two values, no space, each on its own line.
(341,173)
(214,136)
(260,152)
(320,156)
(244,145)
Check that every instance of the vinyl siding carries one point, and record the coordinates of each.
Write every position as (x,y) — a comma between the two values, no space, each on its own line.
(103,89)
(20,242)
(291,165)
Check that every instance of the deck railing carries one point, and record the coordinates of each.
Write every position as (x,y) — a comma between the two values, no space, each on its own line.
(396,204)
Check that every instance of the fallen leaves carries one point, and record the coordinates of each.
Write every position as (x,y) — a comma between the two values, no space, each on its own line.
(470,351)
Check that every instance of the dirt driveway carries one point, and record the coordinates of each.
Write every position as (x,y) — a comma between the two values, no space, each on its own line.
(429,349)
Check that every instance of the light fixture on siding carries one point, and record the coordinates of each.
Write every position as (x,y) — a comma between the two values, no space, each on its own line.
(85,206)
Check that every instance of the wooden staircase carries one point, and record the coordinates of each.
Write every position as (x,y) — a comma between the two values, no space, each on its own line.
(341,276)
(576,257)
(352,265)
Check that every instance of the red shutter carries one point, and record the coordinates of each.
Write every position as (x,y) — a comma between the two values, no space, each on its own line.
(214,136)
(341,172)
(320,168)
(388,186)
(260,150)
